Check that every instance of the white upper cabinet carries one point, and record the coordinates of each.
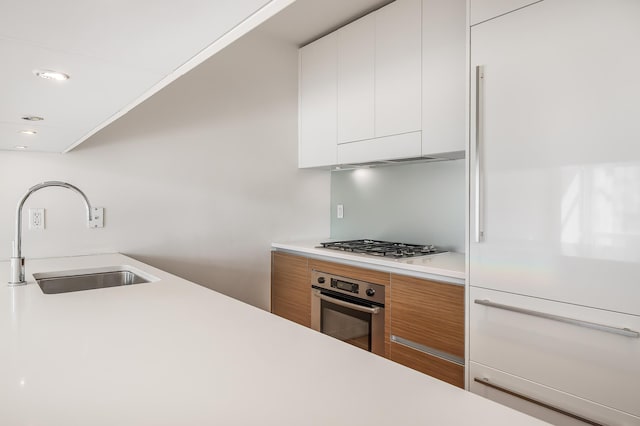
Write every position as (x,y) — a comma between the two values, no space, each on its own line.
(356,62)
(318,97)
(444,77)
(383,103)
(482,10)
(398,68)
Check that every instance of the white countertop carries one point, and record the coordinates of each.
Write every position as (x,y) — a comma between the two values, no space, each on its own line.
(446,266)
(174,353)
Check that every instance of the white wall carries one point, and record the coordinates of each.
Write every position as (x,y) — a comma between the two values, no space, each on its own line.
(198,180)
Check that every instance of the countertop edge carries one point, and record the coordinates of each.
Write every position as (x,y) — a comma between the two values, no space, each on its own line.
(435,273)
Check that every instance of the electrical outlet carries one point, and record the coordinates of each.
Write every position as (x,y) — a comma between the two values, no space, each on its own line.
(36,218)
(340,211)
(97,218)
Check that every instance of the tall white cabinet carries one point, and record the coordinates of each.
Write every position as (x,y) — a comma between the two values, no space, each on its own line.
(378,81)
(554,264)
(317,85)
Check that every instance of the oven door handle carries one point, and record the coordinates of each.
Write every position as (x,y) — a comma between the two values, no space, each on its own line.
(372,311)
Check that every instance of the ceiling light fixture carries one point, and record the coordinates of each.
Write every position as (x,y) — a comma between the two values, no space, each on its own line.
(32,118)
(21,147)
(27,132)
(51,75)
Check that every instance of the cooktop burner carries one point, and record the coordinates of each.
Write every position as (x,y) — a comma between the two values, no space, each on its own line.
(382,248)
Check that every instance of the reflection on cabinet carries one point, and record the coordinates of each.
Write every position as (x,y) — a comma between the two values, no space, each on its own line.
(427,327)
(290,288)
(375,76)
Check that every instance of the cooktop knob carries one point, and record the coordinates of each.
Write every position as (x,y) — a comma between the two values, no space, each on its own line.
(320,280)
(370,292)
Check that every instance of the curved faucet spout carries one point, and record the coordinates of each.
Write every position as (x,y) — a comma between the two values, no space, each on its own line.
(17,261)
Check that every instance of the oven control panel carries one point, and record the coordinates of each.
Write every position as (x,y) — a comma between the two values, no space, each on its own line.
(348,286)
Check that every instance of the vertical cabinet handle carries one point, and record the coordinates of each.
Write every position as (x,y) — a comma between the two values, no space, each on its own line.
(479,119)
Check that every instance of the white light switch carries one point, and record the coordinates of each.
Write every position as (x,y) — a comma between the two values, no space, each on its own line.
(340,211)
(97,218)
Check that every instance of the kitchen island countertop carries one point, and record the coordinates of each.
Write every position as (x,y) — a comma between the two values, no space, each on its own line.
(447,266)
(174,353)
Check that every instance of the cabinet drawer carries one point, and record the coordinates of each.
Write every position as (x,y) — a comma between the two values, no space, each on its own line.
(481,10)
(537,345)
(433,366)
(537,400)
(428,313)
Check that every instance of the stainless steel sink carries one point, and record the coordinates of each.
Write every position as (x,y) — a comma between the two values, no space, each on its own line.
(90,279)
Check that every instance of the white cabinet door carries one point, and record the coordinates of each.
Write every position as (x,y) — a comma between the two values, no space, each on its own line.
(443,76)
(559,155)
(317,103)
(481,10)
(553,406)
(398,44)
(356,60)
(563,346)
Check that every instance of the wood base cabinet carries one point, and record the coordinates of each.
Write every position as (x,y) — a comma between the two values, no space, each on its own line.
(424,320)
(427,327)
(290,288)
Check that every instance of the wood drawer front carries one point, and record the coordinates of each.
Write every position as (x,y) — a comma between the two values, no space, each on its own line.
(428,313)
(435,367)
(542,395)
(291,288)
(596,365)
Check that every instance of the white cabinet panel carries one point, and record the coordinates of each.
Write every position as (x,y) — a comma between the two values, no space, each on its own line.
(443,76)
(481,375)
(393,147)
(398,43)
(592,364)
(481,10)
(317,103)
(559,157)
(356,59)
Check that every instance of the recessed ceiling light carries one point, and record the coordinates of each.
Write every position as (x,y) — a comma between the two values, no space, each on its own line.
(27,132)
(21,147)
(51,75)
(32,118)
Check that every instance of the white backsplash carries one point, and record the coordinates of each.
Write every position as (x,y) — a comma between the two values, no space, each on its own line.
(421,203)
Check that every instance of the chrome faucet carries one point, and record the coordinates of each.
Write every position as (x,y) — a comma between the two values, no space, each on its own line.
(17,261)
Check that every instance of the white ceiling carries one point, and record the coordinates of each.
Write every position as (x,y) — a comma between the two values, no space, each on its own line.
(118,53)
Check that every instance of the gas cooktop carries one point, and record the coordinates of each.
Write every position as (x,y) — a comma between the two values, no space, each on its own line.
(382,248)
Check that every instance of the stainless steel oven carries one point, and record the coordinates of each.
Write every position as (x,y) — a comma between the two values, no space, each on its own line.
(348,309)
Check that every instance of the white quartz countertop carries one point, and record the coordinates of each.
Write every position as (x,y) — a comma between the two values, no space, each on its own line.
(173,353)
(447,266)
